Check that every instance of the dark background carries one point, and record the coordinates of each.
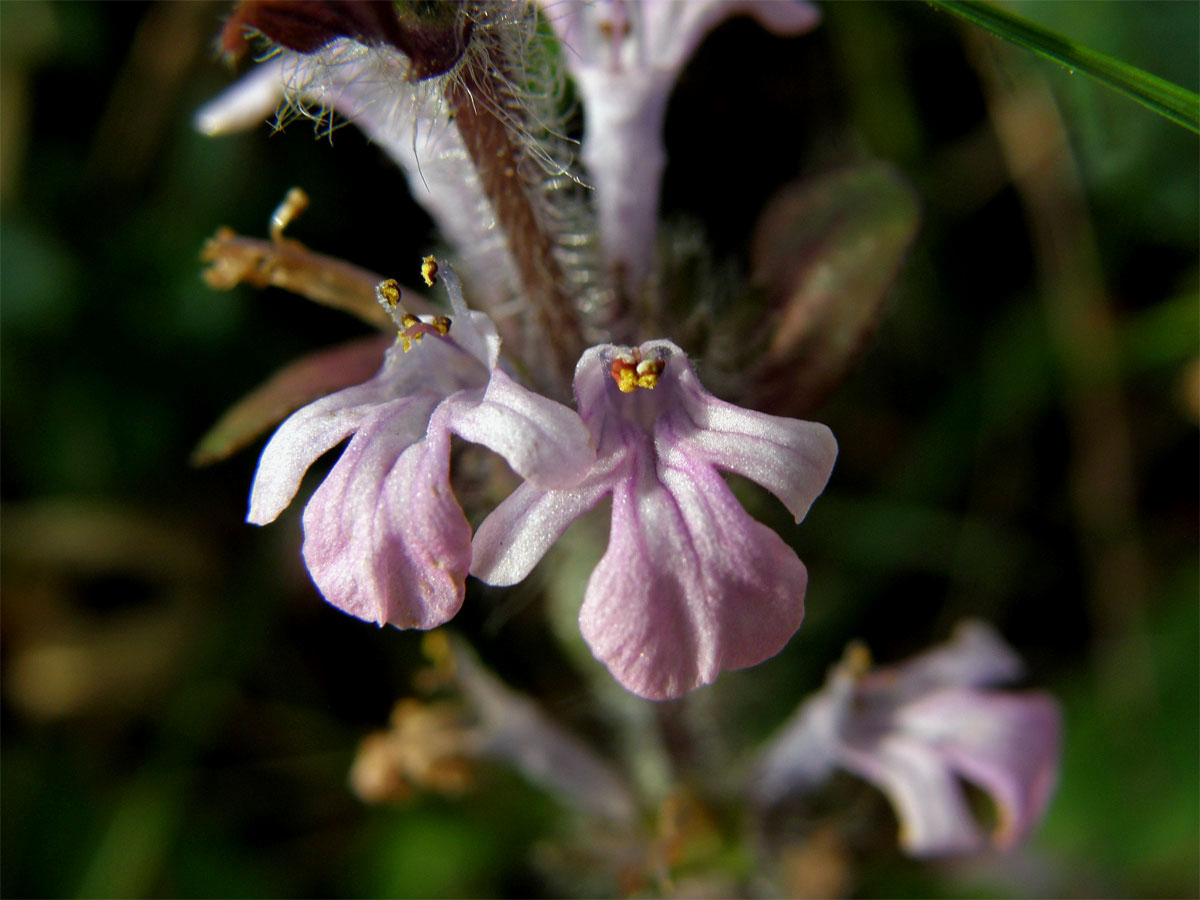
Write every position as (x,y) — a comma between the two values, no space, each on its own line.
(180,708)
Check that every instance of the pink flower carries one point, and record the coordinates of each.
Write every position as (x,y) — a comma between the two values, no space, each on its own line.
(690,584)
(625,56)
(384,536)
(915,729)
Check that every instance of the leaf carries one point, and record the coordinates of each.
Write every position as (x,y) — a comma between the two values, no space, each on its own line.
(1170,100)
(826,251)
(287,390)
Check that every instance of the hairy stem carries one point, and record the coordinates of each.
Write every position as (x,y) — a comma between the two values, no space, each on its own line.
(503,164)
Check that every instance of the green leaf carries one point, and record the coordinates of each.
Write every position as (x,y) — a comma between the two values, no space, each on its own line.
(1176,103)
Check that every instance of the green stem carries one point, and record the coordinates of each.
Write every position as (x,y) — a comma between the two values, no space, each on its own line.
(1170,100)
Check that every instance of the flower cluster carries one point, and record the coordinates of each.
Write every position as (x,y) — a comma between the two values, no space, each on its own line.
(461,97)
(690,584)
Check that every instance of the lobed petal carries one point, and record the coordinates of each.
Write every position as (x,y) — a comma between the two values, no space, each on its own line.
(517,533)
(297,384)
(975,656)
(791,458)
(544,441)
(316,428)
(1006,743)
(929,802)
(689,585)
(384,538)
(803,753)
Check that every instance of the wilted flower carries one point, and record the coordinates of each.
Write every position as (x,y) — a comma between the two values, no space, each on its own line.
(915,729)
(690,583)
(384,537)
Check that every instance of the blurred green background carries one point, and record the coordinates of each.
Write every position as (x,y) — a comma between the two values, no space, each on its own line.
(180,708)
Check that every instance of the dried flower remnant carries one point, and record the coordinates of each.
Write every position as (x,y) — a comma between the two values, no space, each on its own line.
(385,539)
(915,729)
(690,584)
(436,745)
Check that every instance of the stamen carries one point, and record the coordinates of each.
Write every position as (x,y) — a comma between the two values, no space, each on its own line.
(408,327)
(429,270)
(388,294)
(857,659)
(648,371)
(631,372)
(624,373)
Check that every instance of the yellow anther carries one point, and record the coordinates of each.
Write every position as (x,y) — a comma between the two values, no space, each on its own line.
(389,292)
(413,329)
(630,371)
(429,268)
(857,659)
(648,371)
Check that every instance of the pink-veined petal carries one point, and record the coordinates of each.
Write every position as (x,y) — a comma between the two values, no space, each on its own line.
(1007,743)
(975,656)
(791,458)
(314,429)
(544,441)
(804,751)
(689,584)
(517,533)
(384,538)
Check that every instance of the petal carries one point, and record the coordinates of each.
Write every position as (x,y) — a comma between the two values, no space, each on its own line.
(544,441)
(518,532)
(803,753)
(384,538)
(625,59)
(249,102)
(791,458)
(928,799)
(689,584)
(309,432)
(975,656)
(624,155)
(1006,743)
(678,28)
